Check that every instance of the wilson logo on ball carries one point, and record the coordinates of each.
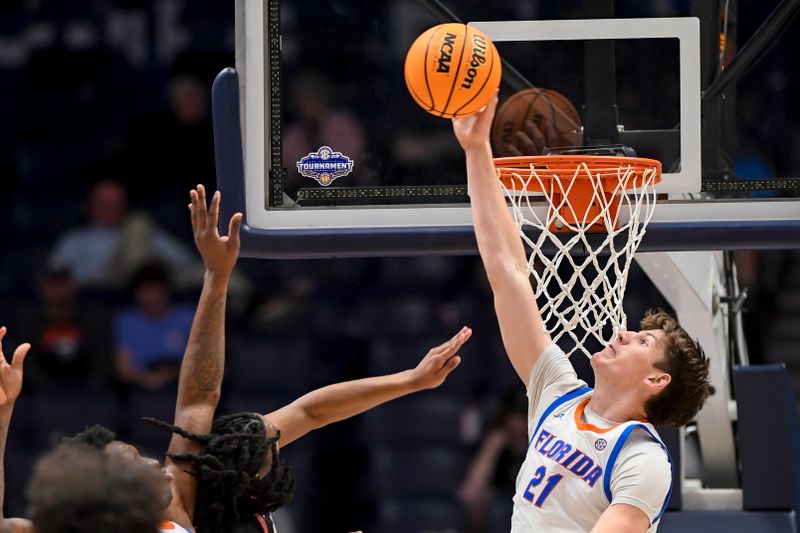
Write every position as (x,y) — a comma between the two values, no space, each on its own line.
(478,59)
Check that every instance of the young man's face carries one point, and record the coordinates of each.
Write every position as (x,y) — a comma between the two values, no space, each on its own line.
(630,361)
(128,451)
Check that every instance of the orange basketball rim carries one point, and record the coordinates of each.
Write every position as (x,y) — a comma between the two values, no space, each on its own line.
(585,191)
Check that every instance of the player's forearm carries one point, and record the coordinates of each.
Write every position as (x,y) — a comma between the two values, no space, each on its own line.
(498,236)
(344,400)
(622,518)
(201,373)
(5,420)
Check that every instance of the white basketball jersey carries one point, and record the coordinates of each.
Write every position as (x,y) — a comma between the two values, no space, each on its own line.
(564,484)
(168,526)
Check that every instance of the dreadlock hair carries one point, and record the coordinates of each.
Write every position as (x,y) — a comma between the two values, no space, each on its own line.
(96,437)
(228,485)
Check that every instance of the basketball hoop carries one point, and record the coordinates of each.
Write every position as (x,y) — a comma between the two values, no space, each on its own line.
(598,206)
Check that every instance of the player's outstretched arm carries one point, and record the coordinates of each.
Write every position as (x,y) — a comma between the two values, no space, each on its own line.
(622,518)
(200,380)
(343,400)
(500,246)
(10,387)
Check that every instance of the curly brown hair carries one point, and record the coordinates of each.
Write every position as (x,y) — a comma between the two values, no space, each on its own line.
(80,489)
(686,363)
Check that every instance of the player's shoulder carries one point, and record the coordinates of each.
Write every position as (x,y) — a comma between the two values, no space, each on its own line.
(550,365)
(17,525)
(644,451)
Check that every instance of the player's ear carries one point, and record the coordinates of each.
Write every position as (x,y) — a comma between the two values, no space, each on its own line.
(658,381)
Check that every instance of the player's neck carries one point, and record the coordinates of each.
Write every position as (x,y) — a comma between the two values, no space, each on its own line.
(616,406)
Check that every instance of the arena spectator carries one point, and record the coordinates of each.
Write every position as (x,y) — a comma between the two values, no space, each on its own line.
(150,338)
(72,343)
(493,470)
(114,242)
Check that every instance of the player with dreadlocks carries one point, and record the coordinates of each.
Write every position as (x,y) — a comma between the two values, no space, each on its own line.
(228,474)
(200,380)
(240,476)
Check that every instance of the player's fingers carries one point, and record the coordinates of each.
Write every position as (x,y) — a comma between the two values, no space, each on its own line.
(452,340)
(459,338)
(193,207)
(451,364)
(2,334)
(463,336)
(213,212)
(19,356)
(447,349)
(202,207)
(492,105)
(233,228)
(512,150)
(487,113)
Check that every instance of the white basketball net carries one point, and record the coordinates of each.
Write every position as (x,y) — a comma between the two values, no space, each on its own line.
(583,291)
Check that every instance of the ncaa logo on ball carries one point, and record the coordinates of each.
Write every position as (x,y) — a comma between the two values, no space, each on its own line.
(325,165)
(600,444)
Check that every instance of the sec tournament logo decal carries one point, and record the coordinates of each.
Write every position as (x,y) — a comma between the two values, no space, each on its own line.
(325,165)
(600,444)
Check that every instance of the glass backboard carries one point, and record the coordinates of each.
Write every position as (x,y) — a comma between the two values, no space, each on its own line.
(323,87)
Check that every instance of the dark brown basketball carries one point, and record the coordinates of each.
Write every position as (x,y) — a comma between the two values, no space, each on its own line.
(552,114)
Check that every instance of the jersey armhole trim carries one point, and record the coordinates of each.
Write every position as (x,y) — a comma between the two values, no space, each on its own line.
(612,459)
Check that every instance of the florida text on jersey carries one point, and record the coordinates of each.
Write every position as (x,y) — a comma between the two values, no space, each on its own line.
(565,482)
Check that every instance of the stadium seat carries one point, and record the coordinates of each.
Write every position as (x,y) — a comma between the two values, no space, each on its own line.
(418,516)
(415,474)
(268,365)
(64,412)
(424,420)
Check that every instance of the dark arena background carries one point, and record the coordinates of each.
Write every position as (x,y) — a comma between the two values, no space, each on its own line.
(106,126)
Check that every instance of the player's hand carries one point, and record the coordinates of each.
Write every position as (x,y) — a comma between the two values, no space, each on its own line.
(219,253)
(439,362)
(11,374)
(472,131)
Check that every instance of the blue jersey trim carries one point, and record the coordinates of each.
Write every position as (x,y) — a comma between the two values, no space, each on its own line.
(553,406)
(612,458)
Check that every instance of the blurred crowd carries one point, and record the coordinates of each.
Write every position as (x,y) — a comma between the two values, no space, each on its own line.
(106,126)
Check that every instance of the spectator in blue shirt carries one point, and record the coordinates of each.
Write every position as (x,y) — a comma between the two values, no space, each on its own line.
(115,242)
(150,338)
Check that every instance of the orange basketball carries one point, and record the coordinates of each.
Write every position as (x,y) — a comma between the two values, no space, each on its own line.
(551,113)
(452,70)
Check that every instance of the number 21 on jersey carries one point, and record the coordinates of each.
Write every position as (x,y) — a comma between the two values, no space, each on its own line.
(536,480)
